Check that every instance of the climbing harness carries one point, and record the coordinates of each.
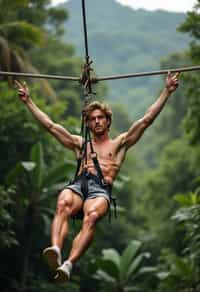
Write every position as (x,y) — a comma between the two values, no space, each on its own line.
(84,175)
(87,142)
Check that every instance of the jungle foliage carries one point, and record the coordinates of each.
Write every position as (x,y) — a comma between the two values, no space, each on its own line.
(153,245)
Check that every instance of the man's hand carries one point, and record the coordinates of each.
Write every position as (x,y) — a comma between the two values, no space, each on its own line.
(23,91)
(172,82)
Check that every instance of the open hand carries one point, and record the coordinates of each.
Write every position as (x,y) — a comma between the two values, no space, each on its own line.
(172,82)
(23,90)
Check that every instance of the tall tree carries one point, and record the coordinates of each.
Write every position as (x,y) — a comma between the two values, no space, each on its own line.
(192,26)
(25,25)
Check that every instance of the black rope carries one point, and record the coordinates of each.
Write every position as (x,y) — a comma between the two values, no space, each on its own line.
(85,32)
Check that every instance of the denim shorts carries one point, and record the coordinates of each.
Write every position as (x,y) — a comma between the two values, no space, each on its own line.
(95,190)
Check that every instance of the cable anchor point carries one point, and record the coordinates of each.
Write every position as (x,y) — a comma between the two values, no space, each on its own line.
(85,78)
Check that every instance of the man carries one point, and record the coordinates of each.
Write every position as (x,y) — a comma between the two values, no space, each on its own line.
(94,197)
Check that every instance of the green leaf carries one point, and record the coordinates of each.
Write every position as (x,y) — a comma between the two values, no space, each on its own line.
(58,172)
(134,266)
(36,156)
(28,165)
(104,276)
(127,256)
(183,200)
(181,215)
(112,255)
(124,178)
(14,173)
(132,289)
(148,270)
(190,199)
(118,185)
(109,267)
(163,275)
(197,179)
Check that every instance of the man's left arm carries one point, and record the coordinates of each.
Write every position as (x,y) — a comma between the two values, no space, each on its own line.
(137,129)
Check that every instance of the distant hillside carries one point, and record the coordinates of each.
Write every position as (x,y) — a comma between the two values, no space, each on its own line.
(123,40)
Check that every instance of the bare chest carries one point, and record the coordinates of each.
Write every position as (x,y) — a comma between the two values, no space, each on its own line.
(107,150)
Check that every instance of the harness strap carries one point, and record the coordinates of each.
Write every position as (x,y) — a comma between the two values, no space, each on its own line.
(95,160)
(99,178)
(83,146)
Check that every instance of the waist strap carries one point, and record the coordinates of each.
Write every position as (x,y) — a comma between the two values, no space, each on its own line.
(87,175)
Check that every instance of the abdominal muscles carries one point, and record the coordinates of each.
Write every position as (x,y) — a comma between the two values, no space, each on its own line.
(108,168)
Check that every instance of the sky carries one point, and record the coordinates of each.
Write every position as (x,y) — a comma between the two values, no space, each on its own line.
(170,5)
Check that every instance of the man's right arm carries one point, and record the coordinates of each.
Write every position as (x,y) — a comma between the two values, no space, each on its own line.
(135,132)
(70,141)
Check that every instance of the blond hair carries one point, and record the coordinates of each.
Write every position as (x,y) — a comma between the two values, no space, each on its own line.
(96,105)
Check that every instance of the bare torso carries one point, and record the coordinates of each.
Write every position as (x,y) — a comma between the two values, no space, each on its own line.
(110,156)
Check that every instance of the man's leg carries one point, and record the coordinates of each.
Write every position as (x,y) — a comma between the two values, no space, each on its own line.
(93,209)
(69,203)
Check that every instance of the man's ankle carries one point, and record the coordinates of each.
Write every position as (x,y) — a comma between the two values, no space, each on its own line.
(69,263)
(57,248)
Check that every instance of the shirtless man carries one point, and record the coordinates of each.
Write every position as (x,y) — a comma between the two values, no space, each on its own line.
(110,152)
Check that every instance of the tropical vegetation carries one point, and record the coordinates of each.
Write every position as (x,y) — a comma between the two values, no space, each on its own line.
(153,245)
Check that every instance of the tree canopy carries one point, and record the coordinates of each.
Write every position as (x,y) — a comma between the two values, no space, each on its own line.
(157,189)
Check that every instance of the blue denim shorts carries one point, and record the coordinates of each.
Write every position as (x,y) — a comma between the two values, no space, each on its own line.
(95,190)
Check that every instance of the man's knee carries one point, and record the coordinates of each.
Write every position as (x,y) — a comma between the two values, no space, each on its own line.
(91,217)
(64,204)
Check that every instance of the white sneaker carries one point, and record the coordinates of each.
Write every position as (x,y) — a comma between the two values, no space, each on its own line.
(63,272)
(53,257)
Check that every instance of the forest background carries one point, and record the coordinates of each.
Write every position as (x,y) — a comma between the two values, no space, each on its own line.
(153,245)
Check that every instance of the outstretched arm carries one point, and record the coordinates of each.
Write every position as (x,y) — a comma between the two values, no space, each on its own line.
(70,141)
(137,129)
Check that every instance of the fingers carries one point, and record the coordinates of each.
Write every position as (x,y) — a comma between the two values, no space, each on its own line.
(21,85)
(176,77)
(169,74)
(18,83)
(23,90)
(177,74)
(173,78)
(172,81)
(25,85)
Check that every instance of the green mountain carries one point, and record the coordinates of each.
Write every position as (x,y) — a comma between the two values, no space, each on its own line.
(123,40)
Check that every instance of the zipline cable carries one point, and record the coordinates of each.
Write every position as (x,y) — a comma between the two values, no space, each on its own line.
(41,76)
(151,73)
(103,78)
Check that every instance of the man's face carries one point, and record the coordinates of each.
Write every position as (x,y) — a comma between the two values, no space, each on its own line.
(98,123)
